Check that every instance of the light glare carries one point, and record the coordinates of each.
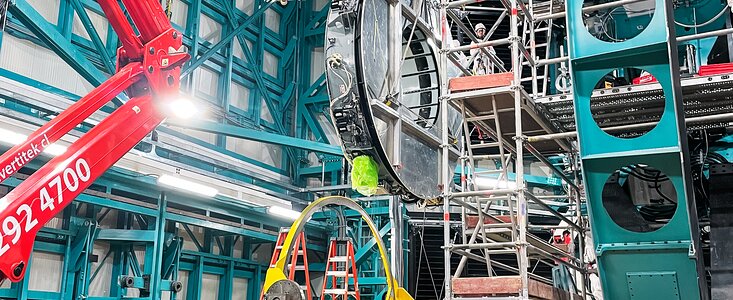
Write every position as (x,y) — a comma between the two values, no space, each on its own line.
(196,188)
(283,212)
(183,108)
(12,138)
(55,149)
(488,182)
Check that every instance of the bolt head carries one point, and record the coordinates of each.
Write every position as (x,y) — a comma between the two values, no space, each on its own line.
(150,69)
(18,270)
(151,50)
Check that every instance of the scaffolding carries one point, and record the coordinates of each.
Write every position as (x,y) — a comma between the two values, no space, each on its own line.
(495,216)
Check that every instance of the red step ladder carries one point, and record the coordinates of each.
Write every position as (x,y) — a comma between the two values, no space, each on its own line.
(299,251)
(340,267)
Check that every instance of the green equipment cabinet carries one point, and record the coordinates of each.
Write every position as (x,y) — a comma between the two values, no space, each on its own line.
(663,263)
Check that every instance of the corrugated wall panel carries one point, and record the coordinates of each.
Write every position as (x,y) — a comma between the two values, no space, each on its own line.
(101,284)
(239,288)
(210,287)
(41,64)
(45,273)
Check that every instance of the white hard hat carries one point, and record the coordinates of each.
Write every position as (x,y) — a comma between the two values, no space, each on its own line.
(479,26)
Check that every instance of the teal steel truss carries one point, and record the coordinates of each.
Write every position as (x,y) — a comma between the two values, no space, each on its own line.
(660,264)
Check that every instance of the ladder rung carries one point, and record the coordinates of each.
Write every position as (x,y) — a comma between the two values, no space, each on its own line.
(338,292)
(336,273)
(278,247)
(543,29)
(419,55)
(490,156)
(488,172)
(338,259)
(297,268)
(481,118)
(485,145)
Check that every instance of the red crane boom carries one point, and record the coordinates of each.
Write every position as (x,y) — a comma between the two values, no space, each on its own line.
(148,69)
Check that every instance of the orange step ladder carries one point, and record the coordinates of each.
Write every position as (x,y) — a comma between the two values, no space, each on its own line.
(340,267)
(299,250)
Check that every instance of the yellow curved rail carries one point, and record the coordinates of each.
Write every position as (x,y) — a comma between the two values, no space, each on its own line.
(277,273)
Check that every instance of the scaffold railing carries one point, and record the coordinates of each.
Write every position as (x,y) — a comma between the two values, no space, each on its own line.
(495,215)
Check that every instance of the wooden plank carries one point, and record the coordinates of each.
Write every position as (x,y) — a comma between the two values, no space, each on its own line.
(505,286)
(472,221)
(462,84)
(487,286)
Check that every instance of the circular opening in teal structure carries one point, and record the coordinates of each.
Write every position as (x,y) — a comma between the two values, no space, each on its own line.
(625,104)
(617,23)
(639,198)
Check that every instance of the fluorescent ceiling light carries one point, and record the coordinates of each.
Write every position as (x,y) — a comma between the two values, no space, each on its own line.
(488,182)
(190,186)
(12,138)
(283,212)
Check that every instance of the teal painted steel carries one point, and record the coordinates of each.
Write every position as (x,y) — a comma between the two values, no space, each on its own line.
(159,232)
(260,136)
(623,254)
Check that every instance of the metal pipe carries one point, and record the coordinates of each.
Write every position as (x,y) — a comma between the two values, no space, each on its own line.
(447,179)
(482,246)
(464,204)
(587,9)
(521,203)
(481,8)
(552,167)
(483,193)
(554,212)
(572,134)
(552,61)
(467,31)
(549,227)
(501,266)
(490,156)
(499,42)
(546,254)
(459,3)
(705,35)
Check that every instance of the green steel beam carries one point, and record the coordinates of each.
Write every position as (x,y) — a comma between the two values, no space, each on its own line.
(361,255)
(259,136)
(127,235)
(197,61)
(57,42)
(96,40)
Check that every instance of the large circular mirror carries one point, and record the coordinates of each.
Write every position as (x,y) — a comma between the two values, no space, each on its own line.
(384,85)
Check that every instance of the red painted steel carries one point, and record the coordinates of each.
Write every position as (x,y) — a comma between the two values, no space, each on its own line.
(149,70)
(149,18)
(13,160)
(716,69)
(131,44)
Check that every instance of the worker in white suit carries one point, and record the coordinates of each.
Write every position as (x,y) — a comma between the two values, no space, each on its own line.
(483,64)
